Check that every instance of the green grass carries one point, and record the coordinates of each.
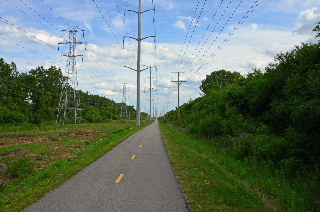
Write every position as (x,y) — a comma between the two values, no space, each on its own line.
(41,158)
(209,179)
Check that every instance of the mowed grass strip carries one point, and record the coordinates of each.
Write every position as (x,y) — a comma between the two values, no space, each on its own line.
(205,179)
(41,159)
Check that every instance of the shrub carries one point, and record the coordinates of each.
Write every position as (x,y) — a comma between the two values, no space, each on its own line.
(270,148)
(241,148)
(8,116)
(291,166)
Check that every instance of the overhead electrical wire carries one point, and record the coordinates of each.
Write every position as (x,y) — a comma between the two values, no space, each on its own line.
(51,10)
(98,8)
(26,32)
(31,34)
(89,47)
(41,41)
(193,30)
(235,28)
(210,33)
(204,46)
(34,19)
(26,48)
(215,39)
(105,20)
(185,39)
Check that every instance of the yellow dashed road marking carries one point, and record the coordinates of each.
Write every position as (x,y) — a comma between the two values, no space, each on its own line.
(119,178)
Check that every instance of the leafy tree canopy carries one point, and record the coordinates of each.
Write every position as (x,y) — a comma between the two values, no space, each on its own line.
(219,79)
(317,29)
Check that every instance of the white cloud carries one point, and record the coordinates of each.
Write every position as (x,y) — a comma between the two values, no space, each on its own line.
(254,26)
(113,52)
(29,35)
(109,92)
(9,31)
(180,25)
(103,85)
(192,20)
(89,27)
(306,21)
(118,22)
(45,36)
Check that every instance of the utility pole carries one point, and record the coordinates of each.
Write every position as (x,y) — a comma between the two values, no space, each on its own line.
(139,39)
(68,110)
(124,110)
(179,83)
(150,95)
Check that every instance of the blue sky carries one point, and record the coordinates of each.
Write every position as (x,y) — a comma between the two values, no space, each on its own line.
(194,36)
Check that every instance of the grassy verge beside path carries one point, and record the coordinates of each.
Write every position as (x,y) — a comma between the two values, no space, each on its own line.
(39,159)
(206,178)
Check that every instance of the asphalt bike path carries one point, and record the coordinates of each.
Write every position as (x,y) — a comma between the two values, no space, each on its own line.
(135,176)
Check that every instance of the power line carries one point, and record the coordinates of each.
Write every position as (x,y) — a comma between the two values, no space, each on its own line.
(26,32)
(34,19)
(235,28)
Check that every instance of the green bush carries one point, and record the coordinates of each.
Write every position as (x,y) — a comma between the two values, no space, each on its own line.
(8,116)
(291,166)
(92,115)
(242,148)
(270,148)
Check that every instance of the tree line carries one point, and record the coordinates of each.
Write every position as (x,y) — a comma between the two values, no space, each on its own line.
(33,97)
(272,117)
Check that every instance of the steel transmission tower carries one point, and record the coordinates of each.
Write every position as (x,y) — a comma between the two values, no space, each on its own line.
(124,110)
(68,110)
(139,39)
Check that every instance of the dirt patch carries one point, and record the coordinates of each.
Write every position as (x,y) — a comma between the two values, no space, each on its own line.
(82,133)
(17,139)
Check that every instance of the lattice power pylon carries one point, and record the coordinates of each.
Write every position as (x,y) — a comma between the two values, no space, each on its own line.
(124,109)
(68,110)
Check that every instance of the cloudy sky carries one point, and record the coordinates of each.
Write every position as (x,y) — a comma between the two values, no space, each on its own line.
(196,37)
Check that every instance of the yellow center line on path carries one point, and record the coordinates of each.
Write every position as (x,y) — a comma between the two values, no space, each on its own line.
(133,157)
(119,178)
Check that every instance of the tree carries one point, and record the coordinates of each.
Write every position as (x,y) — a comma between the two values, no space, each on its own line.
(49,81)
(219,79)
(12,95)
(317,29)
